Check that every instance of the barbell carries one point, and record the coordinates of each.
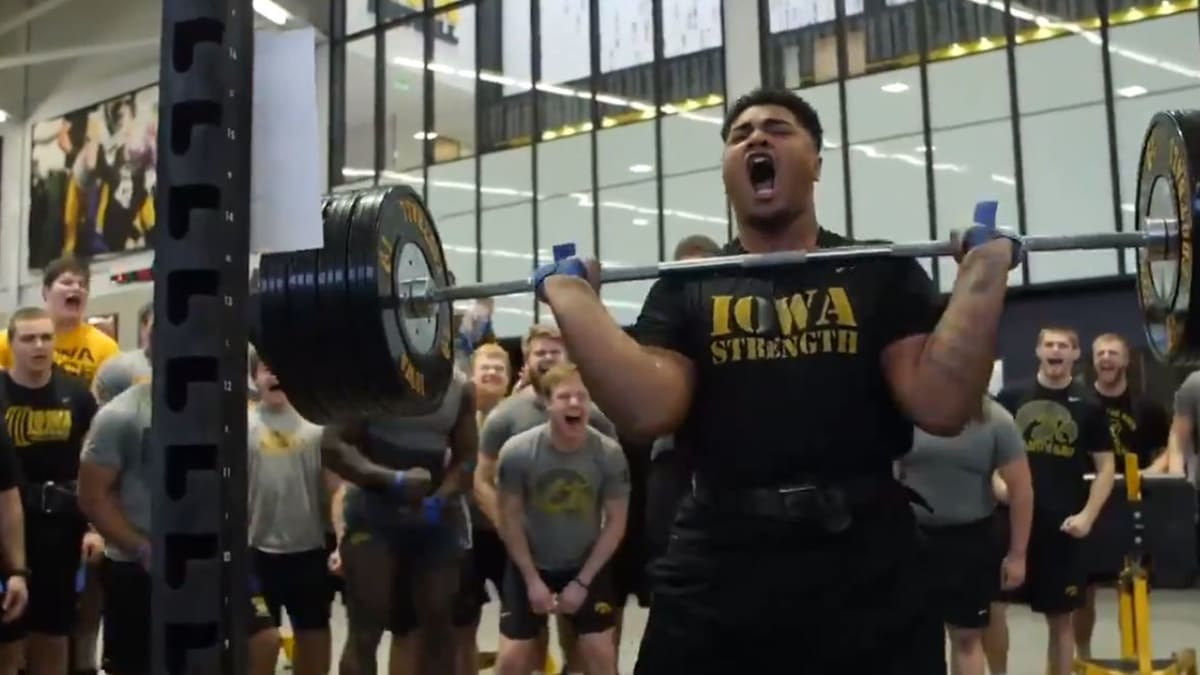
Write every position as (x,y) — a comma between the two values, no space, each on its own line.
(363,325)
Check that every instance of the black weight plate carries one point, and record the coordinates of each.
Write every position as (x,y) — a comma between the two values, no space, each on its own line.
(304,391)
(1167,195)
(336,375)
(390,392)
(422,344)
(272,275)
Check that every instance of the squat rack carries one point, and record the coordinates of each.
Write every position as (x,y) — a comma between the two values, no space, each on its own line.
(196,447)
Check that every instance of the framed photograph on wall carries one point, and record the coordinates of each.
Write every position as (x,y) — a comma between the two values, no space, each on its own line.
(92,179)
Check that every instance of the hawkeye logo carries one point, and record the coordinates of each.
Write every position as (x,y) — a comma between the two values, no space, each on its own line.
(271,441)
(752,328)
(28,427)
(563,492)
(1121,426)
(1048,428)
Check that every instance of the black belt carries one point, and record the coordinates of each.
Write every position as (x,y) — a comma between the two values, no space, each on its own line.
(52,498)
(831,503)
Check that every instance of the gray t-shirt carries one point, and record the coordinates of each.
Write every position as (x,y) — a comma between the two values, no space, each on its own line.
(523,411)
(120,439)
(120,373)
(1187,404)
(564,492)
(286,510)
(955,474)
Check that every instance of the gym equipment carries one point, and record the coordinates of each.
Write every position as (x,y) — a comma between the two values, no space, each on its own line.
(385,342)
(1133,605)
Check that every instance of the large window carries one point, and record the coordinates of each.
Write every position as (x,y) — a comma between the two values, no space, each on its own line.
(530,123)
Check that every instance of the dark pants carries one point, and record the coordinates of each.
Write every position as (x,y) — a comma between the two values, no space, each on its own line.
(739,594)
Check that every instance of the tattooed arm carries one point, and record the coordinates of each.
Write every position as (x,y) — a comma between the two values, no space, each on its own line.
(938,377)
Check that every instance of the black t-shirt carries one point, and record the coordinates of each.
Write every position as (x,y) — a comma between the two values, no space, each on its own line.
(788,373)
(1062,428)
(47,425)
(1136,425)
(8,461)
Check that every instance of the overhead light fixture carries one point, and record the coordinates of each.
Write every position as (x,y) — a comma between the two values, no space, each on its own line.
(1131,91)
(895,87)
(922,148)
(272,11)
(641,168)
(642,222)
(425,135)
(3,116)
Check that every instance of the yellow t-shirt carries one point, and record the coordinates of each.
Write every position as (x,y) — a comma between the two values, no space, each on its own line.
(79,351)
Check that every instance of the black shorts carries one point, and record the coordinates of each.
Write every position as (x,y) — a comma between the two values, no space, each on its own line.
(127,618)
(966,571)
(735,594)
(299,583)
(486,561)
(518,622)
(670,480)
(1055,576)
(52,551)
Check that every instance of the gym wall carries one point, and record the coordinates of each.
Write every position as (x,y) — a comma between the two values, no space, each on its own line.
(508,172)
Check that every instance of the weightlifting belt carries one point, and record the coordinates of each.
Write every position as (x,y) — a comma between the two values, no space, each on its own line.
(829,503)
(51,498)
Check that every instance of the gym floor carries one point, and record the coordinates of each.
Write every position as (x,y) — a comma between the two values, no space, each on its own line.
(1175,625)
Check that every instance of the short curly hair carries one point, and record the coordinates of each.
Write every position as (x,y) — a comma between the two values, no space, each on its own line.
(806,116)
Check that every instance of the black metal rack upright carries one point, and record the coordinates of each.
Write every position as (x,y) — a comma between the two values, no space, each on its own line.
(197,442)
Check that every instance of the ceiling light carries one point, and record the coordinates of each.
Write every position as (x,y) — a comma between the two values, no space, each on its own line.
(271,11)
(3,116)
(895,87)
(641,168)
(423,135)
(922,148)
(641,222)
(1130,92)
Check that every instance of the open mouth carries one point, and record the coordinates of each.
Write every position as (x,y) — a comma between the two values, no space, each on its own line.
(573,420)
(74,301)
(1054,362)
(761,167)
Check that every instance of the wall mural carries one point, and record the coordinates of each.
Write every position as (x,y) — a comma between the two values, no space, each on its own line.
(93,178)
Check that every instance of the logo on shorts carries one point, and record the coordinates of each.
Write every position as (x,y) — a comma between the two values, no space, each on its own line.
(260,606)
(602,608)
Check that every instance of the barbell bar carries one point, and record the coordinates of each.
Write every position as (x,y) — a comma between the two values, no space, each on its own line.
(423,290)
(365,324)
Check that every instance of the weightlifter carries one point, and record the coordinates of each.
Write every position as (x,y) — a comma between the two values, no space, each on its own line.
(797,538)
(1066,435)
(564,498)
(405,529)
(1137,425)
(542,348)
(127,368)
(80,349)
(491,375)
(954,475)
(46,414)
(670,476)
(289,491)
(115,476)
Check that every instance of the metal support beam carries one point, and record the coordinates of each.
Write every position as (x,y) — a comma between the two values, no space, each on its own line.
(39,10)
(197,445)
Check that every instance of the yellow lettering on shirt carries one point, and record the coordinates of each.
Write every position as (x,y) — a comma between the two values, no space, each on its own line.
(755,328)
(29,427)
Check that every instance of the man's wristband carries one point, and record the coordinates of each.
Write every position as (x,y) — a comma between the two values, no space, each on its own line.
(398,480)
(579,581)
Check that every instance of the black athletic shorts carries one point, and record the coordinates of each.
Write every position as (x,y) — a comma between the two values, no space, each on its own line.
(298,582)
(1055,575)
(669,481)
(486,561)
(518,622)
(52,552)
(966,571)
(127,618)
(736,594)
